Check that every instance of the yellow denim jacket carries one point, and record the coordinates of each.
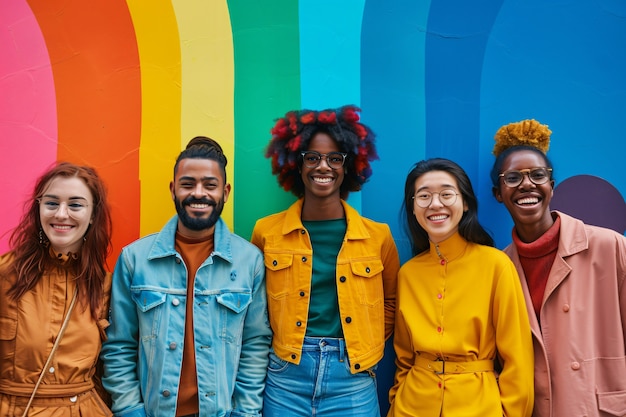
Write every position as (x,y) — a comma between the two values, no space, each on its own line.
(367,268)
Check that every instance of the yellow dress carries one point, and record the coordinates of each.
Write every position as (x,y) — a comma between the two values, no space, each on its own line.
(462,302)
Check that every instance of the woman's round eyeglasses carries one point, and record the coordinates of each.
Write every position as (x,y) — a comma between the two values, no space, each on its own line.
(312,159)
(514,177)
(49,206)
(424,199)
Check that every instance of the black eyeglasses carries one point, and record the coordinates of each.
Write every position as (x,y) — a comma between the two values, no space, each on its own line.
(312,159)
(537,176)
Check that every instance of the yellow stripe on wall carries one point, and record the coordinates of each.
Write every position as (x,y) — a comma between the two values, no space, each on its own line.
(159,56)
(208,78)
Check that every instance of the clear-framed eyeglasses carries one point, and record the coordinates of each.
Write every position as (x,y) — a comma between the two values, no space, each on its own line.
(538,176)
(49,206)
(312,159)
(424,199)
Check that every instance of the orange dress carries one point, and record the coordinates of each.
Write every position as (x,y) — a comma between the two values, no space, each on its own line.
(28,329)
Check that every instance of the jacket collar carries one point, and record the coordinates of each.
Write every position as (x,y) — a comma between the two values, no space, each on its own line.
(355,228)
(573,236)
(163,245)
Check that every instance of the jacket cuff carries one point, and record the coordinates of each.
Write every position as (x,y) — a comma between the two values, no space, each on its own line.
(133,412)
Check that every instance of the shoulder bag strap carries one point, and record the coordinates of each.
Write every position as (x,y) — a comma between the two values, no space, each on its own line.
(54,348)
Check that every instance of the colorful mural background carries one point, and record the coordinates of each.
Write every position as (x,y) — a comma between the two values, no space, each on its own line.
(123,85)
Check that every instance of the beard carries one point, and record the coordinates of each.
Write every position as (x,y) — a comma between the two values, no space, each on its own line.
(198,223)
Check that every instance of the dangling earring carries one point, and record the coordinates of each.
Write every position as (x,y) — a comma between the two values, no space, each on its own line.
(43,239)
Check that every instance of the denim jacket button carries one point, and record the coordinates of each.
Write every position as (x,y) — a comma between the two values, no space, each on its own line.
(166,393)
(175,302)
(172,345)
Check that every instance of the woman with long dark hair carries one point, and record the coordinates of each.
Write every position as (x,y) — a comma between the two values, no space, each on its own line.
(459,308)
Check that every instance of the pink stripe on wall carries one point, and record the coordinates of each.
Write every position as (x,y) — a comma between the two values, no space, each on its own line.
(28,117)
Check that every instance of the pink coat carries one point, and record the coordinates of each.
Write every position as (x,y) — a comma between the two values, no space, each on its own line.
(580,347)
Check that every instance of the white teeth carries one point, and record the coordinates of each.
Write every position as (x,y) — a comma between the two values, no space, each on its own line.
(198,206)
(528,200)
(440,217)
(61,227)
(324,180)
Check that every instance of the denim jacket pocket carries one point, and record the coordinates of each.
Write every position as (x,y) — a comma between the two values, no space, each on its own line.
(147,300)
(235,301)
(232,319)
(279,274)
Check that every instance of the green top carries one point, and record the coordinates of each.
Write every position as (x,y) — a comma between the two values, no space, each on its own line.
(326,240)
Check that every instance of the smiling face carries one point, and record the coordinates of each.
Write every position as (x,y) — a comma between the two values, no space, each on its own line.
(528,203)
(199,193)
(65,210)
(322,181)
(438,220)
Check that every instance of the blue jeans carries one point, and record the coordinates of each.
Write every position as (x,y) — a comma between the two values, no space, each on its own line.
(321,386)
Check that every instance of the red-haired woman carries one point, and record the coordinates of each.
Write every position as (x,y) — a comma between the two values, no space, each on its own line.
(54,294)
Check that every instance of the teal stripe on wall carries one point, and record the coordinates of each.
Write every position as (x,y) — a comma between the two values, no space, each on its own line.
(330,45)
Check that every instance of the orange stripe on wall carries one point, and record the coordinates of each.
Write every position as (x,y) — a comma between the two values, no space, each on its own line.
(95,65)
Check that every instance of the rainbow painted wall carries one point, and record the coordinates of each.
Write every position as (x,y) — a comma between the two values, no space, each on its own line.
(123,85)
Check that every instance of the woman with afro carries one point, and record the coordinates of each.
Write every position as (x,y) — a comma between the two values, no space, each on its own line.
(330,273)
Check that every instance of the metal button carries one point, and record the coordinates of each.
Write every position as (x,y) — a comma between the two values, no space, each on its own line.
(51,370)
(172,345)
(304,259)
(166,393)
(367,269)
(348,319)
(298,323)
(73,399)
(301,293)
(275,262)
(342,279)
(175,302)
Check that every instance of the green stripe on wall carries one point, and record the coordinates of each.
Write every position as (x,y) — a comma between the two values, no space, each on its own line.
(267,84)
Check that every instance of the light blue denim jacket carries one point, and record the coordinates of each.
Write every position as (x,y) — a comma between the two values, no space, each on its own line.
(144,348)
